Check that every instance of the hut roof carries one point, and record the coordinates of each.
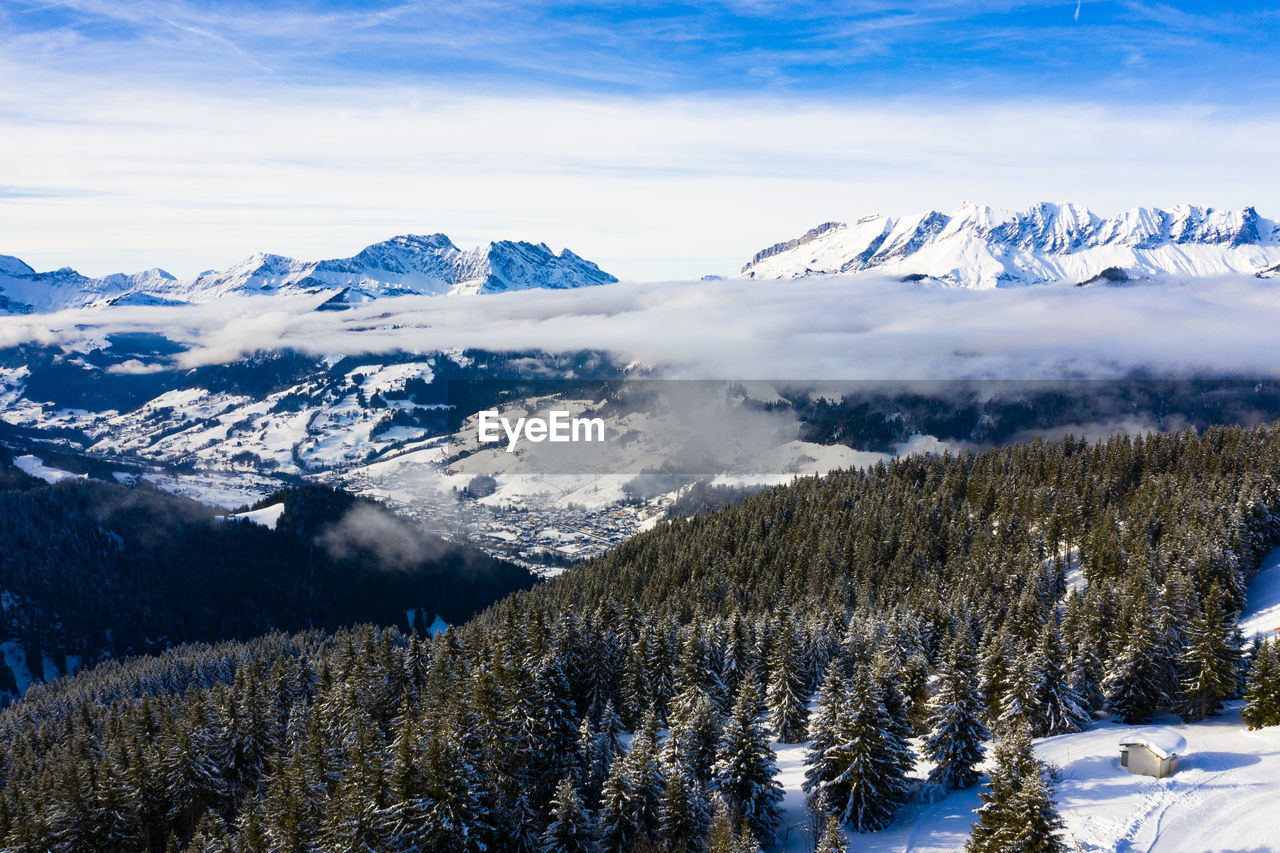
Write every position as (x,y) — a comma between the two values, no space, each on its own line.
(1163,742)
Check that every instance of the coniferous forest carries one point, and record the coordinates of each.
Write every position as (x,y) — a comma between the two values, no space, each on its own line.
(905,612)
(92,569)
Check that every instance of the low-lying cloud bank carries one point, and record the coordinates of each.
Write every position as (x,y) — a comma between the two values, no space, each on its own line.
(821,328)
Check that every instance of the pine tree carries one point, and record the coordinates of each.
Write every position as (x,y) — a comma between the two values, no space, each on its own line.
(1017,811)
(729,833)
(1210,661)
(614,821)
(694,667)
(955,729)
(994,675)
(636,690)
(1038,828)
(645,781)
(521,833)
(1063,708)
(1023,703)
(549,730)
(685,814)
(610,729)
(735,659)
(1085,676)
(1133,681)
(455,814)
(746,766)
(832,839)
(832,699)
(787,698)
(870,783)
(210,835)
(898,708)
(589,772)
(694,734)
(658,665)
(1262,692)
(571,829)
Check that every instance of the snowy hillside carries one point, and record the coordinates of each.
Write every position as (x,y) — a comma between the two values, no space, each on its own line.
(1216,801)
(981,247)
(408,264)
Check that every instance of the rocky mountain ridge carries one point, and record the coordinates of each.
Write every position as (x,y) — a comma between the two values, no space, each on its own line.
(405,265)
(979,246)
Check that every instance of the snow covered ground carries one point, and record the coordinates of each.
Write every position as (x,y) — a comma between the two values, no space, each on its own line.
(268,516)
(1223,797)
(35,466)
(1262,613)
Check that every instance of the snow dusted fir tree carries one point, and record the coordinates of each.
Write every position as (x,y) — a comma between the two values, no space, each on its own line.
(832,839)
(548,730)
(955,729)
(746,765)
(694,731)
(433,792)
(1134,679)
(897,706)
(994,673)
(1210,663)
(1085,676)
(1262,692)
(616,829)
(729,833)
(1042,696)
(1017,811)
(571,829)
(685,813)
(819,765)
(644,779)
(861,776)
(787,698)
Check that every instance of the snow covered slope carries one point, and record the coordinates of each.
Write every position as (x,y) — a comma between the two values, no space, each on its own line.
(409,264)
(1219,799)
(23,290)
(977,246)
(1262,610)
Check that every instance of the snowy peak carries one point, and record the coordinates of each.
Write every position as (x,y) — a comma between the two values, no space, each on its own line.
(804,239)
(404,265)
(11,266)
(24,291)
(979,246)
(524,266)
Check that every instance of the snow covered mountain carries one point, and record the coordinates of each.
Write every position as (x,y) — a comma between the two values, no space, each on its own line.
(982,247)
(409,264)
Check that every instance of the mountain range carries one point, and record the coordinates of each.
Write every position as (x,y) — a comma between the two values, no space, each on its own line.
(404,265)
(982,247)
(973,246)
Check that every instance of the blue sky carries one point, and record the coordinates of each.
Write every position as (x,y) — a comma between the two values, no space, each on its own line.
(541,120)
(1107,50)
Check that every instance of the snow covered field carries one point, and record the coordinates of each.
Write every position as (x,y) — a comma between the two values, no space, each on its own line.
(268,516)
(35,466)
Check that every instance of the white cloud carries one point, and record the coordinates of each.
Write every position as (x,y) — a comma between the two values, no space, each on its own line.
(837,328)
